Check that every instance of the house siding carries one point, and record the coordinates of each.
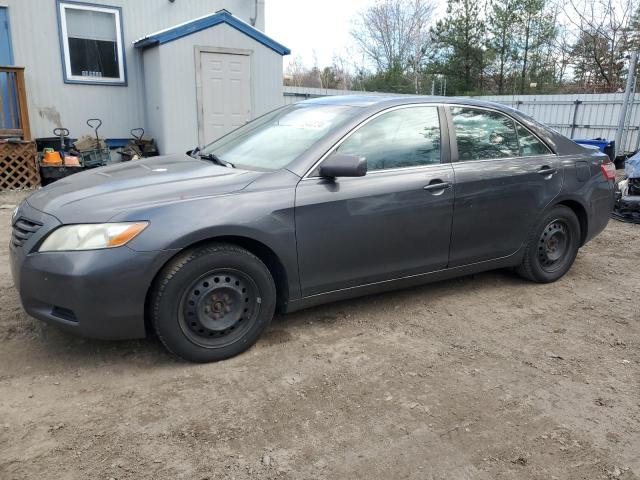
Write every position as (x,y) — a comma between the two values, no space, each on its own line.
(53,103)
(174,62)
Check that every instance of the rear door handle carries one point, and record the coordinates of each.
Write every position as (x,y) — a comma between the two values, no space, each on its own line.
(437,185)
(547,171)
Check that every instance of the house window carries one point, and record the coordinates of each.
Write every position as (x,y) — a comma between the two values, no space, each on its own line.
(92,45)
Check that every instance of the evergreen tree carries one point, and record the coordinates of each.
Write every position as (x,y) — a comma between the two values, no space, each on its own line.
(460,37)
(538,30)
(503,18)
(596,66)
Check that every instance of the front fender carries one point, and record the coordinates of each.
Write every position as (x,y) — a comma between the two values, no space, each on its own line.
(265,215)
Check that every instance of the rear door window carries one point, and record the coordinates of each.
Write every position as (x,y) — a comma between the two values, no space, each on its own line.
(406,137)
(530,146)
(484,134)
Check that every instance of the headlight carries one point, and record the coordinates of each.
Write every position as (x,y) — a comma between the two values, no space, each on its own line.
(91,236)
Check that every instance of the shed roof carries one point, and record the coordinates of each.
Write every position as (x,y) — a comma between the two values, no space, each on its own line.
(208,21)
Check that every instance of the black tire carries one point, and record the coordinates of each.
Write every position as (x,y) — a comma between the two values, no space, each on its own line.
(552,246)
(212,302)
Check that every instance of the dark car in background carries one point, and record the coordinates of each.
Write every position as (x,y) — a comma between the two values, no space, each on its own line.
(314,202)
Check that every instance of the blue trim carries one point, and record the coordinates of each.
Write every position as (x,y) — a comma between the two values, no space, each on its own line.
(117,142)
(8,20)
(217,18)
(123,83)
(111,142)
(7,95)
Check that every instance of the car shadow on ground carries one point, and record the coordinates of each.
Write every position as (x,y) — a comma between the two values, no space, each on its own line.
(438,290)
(49,341)
(69,349)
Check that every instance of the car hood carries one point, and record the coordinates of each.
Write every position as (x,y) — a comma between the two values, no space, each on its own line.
(97,195)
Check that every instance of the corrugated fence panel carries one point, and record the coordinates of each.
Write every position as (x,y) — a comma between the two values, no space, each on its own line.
(577,116)
(580,115)
(296,94)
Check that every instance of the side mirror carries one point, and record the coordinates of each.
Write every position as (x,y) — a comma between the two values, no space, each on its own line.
(343,165)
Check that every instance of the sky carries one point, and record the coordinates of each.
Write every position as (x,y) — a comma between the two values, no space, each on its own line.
(321,27)
(304,27)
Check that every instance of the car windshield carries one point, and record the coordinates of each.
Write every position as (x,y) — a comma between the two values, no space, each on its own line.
(274,140)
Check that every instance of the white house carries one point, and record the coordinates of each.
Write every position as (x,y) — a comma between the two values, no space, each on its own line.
(187,71)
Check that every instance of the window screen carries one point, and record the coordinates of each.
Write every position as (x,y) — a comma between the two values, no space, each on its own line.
(406,137)
(484,134)
(93,44)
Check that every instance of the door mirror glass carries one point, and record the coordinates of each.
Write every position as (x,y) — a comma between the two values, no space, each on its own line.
(343,165)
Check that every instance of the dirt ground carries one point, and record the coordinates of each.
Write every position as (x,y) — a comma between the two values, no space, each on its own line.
(483,377)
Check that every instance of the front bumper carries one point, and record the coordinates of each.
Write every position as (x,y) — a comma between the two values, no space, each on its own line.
(93,293)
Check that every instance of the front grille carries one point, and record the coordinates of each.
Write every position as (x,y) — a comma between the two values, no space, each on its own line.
(22,231)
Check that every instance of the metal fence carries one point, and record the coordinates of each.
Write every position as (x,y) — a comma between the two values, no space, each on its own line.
(296,94)
(580,115)
(575,115)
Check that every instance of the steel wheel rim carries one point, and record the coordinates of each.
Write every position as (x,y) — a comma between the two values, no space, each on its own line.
(219,307)
(553,245)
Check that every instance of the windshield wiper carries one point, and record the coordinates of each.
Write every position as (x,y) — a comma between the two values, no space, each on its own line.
(212,157)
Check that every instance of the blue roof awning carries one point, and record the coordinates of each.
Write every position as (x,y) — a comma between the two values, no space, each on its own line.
(202,23)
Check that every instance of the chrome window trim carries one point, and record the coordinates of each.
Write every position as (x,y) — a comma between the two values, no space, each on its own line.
(387,170)
(307,176)
(555,155)
(513,119)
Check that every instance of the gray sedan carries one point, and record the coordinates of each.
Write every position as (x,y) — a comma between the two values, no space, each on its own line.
(314,202)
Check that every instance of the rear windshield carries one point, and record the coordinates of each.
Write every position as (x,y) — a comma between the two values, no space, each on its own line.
(274,140)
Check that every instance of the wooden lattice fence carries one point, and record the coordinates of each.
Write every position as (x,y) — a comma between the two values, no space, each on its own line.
(18,165)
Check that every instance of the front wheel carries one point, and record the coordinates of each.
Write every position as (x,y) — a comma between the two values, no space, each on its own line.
(552,246)
(212,302)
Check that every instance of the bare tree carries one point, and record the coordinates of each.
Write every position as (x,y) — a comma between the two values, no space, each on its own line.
(603,36)
(351,66)
(561,53)
(343,73)
(394,35)
(295,72)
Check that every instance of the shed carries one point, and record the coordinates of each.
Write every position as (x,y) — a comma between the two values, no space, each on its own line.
(207,76)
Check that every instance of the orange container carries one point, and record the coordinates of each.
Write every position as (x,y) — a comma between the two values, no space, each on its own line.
(52,158)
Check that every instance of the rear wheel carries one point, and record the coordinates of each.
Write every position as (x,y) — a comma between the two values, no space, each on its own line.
(212,302)
(552,246)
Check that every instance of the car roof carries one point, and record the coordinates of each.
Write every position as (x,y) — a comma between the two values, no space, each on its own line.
(389,100)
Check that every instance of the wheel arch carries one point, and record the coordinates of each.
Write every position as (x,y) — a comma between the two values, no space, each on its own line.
(259,249)
(581,212)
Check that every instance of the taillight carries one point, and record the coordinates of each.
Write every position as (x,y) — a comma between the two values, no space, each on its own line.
(608,170)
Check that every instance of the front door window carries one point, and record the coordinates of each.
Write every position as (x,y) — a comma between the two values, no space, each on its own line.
(406,137)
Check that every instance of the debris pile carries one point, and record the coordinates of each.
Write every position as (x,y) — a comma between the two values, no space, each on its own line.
(138,147)
(627,194)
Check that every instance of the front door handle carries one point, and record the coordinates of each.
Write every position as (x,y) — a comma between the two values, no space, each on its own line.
(437,185)
(547,171)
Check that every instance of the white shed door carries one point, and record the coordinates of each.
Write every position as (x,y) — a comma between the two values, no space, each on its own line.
(226,93)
